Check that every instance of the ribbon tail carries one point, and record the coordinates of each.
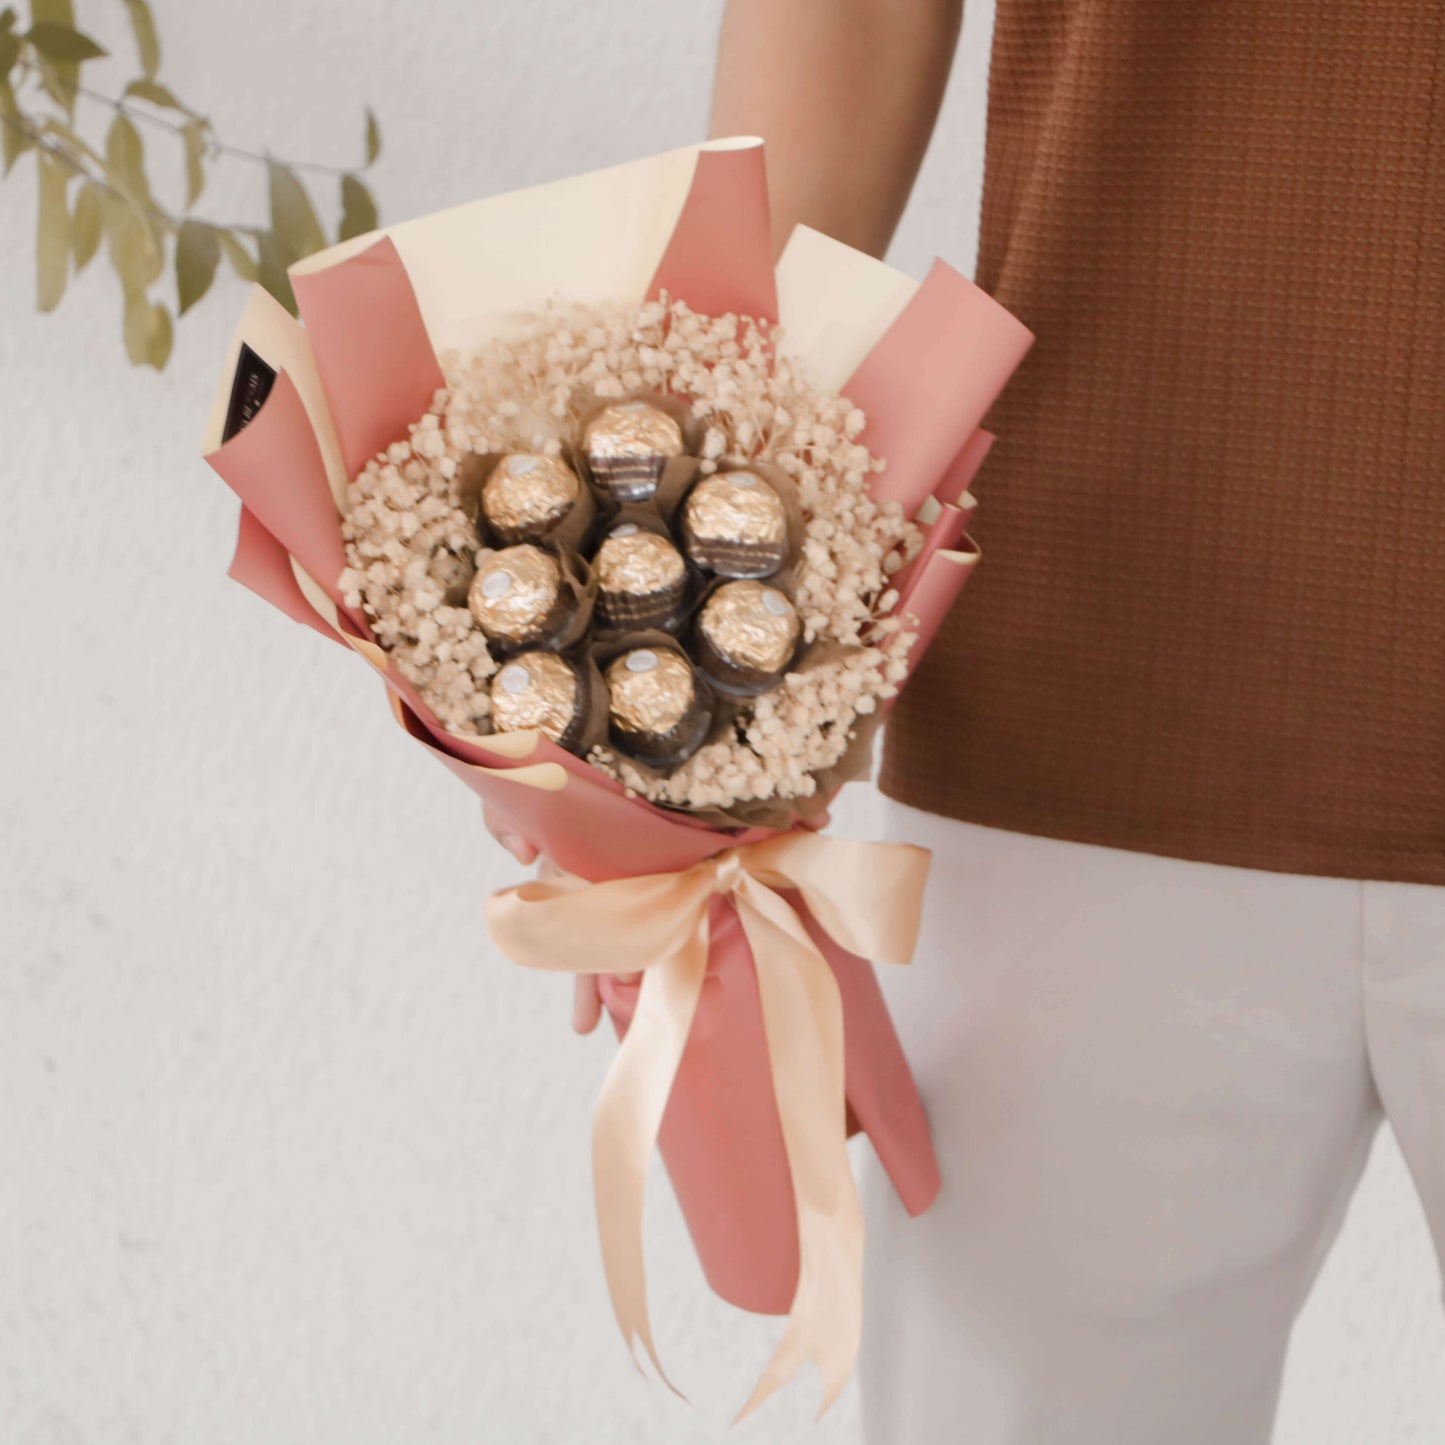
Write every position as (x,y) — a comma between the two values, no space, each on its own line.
(803,1025)
(625,1126)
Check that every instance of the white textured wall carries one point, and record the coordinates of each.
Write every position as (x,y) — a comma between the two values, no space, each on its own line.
(287,1156)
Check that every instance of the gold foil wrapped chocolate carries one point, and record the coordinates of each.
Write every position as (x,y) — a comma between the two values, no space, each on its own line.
(747,633)
(657,713)
(538,690)
(628,445)
(734,524)
(526,495)
(641,580)
(517,596)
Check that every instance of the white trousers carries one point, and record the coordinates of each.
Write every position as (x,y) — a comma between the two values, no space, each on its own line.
(1153,1085)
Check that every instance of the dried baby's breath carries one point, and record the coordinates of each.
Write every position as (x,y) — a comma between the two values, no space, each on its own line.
(411,548)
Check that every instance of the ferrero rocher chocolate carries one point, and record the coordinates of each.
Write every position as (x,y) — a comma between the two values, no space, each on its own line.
(628,445)
(517,596)
(747,633)
(734,524)
(657,713)
(641,580)
(538,690)
(526,495)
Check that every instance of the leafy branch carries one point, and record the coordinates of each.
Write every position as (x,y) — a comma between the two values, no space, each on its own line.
(93,192)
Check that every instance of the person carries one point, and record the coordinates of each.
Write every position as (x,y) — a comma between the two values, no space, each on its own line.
(1180,751)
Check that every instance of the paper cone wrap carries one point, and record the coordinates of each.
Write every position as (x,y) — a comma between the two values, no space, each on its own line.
(964,468)
(757,1030)
(721,1123)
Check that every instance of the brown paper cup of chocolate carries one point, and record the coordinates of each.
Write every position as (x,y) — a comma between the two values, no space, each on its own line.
(532,595)
(560,695)
(745,635)
(643,580)
(810,808)
(541,692)
(557,506)
(629,441)
(740,521)
(660,709)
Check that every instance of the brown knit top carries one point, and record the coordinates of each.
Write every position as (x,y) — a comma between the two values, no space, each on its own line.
(1210,618)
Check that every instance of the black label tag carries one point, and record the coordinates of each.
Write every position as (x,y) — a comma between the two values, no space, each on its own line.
(254,379)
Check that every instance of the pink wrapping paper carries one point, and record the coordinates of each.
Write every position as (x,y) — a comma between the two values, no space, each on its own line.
(274,465)
(262,565)
(927,385)
(720,257)
(964,468)
(944,532)
(721,1125)
(721,1122)
(931,592)
(371,347)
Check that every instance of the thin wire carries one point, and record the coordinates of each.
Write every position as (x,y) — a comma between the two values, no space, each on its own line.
(38,140)
(219,146)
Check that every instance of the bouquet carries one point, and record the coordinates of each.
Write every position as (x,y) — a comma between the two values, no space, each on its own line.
(644,535)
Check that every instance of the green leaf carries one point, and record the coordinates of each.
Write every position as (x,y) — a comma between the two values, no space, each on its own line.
(125,175)
(63,43)
(134,251)
(293,220)
(163,336)
(271,271)
(373,137)
(138,321)
(194,135)
(358,210)
(155,92)
(52,12)
(52,234)
(125,160)
(70,142)
(14,141)
(59,77)
(9,51)
(146,41)
(240,259)
(148,331)
(61,82)
(198,253)
(87,225)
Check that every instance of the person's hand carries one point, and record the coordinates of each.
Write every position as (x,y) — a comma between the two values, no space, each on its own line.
(586,997)
(586,1003)
(513,842)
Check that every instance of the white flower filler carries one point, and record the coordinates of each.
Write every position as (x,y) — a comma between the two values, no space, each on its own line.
(411,548)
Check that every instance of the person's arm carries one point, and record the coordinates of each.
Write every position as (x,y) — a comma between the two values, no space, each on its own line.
(845,93)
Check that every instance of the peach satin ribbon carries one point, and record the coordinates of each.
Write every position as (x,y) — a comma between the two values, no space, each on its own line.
(867,896)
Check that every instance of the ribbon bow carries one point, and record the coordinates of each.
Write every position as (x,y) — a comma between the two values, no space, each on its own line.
(867,897)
